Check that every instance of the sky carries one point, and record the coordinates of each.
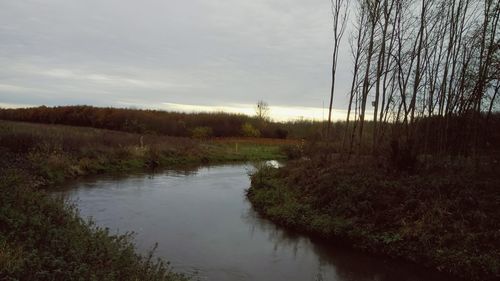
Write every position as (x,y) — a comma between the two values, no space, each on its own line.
(183,55)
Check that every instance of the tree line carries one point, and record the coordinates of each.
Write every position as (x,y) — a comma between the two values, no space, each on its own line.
(426,75)
(202,125)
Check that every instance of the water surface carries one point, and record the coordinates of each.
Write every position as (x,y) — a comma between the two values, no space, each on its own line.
(205,225)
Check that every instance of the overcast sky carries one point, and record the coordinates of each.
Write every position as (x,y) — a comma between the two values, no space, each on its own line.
(171,54)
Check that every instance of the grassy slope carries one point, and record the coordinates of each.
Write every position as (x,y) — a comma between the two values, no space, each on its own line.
(42,238)
(449,221)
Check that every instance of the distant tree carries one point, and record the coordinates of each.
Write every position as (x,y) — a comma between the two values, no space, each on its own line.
(262,110)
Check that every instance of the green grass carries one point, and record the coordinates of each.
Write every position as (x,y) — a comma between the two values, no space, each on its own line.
(223,152)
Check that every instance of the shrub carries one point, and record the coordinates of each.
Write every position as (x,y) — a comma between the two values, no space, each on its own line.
(249,131)
(202,132)
(281,133)
(292,151)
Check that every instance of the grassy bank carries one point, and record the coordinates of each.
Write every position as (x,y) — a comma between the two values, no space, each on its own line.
(53,153)
(42,238)
(447,219)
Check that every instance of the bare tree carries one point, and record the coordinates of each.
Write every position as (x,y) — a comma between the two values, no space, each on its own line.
(340,14)
(426,63)
(357,50)
(262,111)
(385,22)
(373,14)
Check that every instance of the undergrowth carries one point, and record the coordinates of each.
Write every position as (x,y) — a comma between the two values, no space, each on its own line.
(446,219)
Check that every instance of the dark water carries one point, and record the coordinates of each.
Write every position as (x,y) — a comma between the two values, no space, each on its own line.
(204,225)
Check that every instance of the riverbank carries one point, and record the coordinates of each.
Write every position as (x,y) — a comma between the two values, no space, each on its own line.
(43,238)
(447,220)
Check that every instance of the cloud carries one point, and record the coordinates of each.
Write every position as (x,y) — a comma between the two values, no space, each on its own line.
(201,52)
(278,113)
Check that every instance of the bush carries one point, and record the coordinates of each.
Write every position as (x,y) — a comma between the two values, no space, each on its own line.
(249,131)
(202,132)
(281,133)
(292,151)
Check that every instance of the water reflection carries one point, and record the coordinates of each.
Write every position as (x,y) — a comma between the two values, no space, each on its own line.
(205,225)
(334,262)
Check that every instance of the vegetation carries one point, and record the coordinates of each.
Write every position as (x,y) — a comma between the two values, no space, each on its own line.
(42,238)
(202,133)
(154,121)
(445,217)
(439,210)
(431,60)
(60,152)
(249,131)
(417,176)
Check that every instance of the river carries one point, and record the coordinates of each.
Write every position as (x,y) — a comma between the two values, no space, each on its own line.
(205,226)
